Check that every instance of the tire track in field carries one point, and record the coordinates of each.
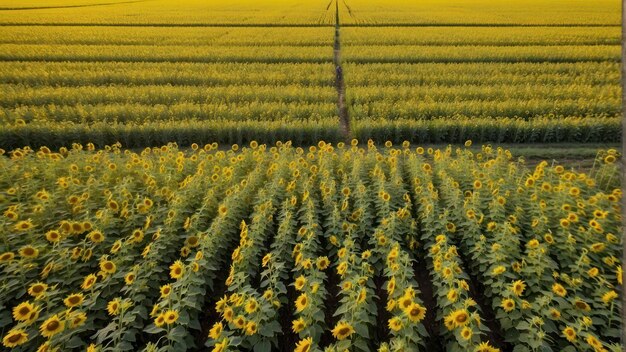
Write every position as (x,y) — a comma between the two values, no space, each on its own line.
(344,117)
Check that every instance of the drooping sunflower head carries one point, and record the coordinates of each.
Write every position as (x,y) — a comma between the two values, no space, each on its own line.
(113,307)
(559,290)
(77,319)
(342,330)
(304,345)
(395,324)
(89,281)
(251,328)
(216,331)
(300,282)
(302,302)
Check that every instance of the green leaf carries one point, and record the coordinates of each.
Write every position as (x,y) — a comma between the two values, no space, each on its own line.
(263,346)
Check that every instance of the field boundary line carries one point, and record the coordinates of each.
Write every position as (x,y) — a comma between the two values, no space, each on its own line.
(344,116)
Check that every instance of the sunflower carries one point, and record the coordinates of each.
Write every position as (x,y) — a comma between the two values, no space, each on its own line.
(342,268)
(395,324)
(300,282)
(595,343)
(37,289)
(159,320)
(582,305)
(391,285)
(166,290)
(302,302)
(507,304)
(228,314)
(342,330)
(485,347)
(77,319)
(405,302)
(251,328)
(304,345)
(129,278)
(609,296)
(362,296)
(458,317)
(117,245)
(171,316)
(51,326)
(518,287)
(136,236)
(29,252)
(240,322)
(177,270)
(467,333)
(559,290)
(452,295)
(23,225)
(298,325)
(74,300)
(216,331)
(391,305)
(597,247)
(113,307)
(108,266)
(6,256)
(415,312)
(322,263)
(221,346)
(251,306)
(569,333)
(89,281)
(96,236)
(15,338)
(53,236)
(25,311)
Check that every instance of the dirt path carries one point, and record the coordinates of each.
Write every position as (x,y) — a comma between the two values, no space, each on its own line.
(344,117)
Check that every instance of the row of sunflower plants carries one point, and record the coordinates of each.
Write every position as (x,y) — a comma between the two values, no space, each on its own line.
(179,310)
(393,260)
(247,314)
(463,324)
(355,314)
(310,273)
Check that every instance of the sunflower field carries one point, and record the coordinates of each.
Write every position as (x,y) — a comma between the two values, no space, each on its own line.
(147,73)
(330,248)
